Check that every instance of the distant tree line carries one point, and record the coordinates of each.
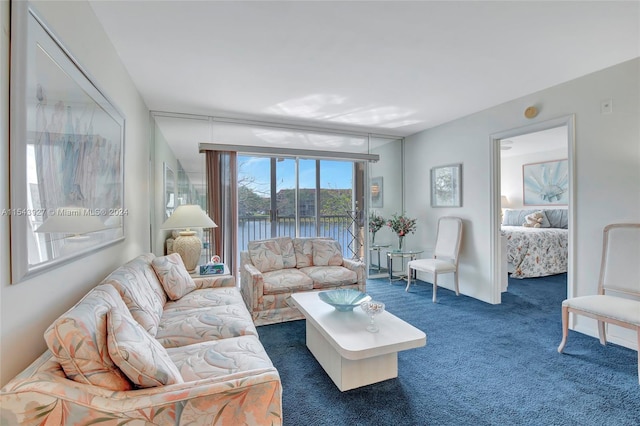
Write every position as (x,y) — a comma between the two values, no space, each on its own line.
(333,202)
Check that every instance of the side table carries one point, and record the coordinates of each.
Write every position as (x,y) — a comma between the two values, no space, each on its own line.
(377,248)
(404,254)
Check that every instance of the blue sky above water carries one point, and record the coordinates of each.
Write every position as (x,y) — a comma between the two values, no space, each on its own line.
(256,170)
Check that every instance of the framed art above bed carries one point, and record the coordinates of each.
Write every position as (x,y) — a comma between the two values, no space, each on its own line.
(545,183)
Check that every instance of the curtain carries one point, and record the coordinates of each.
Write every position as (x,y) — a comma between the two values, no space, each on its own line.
(222,189)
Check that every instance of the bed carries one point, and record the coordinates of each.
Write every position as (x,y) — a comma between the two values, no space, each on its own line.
(536,252)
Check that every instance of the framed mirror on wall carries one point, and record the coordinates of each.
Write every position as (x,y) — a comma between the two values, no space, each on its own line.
(66,154)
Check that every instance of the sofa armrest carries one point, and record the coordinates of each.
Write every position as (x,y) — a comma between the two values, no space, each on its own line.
(358,267)
(251,283)
(214,282)
(241,398)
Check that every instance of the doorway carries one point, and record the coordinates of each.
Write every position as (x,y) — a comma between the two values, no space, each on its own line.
(522,141)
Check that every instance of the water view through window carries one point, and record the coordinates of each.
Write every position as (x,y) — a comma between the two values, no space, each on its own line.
(294,197)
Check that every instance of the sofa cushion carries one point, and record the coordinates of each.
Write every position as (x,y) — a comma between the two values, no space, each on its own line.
(220,358)
(330,276)
(303,248)
(78,340)
(327,253)
(286,281)
(145,361)
(210,321)
(207,297)
(138,291)
(266,255)
(287,251)
(173,275)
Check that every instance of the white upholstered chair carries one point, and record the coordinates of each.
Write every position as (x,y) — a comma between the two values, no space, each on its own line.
(445,255)
(618,298)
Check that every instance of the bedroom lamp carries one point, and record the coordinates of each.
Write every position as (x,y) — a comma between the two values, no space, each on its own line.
(188,245)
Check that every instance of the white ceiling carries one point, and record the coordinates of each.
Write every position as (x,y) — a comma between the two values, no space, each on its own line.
(386,67)
(546,140)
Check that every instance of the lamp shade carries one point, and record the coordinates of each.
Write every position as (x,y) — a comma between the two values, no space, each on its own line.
(72,220)
(504,202)
(188,216)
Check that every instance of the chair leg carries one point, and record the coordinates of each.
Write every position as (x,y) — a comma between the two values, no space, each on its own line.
(435,286)
(601,333)
(408,278)
(565,328)
(455,279)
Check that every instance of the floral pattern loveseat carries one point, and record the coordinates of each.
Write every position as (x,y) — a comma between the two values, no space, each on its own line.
(271,270)
(150,345)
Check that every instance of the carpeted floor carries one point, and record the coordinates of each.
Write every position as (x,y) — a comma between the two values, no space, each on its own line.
(483,365)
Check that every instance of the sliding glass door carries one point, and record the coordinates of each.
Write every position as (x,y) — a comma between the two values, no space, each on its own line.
(296,197)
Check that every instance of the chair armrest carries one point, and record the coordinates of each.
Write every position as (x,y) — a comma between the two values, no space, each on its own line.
(214,282)
(358,267)
(47,397)
(251,284)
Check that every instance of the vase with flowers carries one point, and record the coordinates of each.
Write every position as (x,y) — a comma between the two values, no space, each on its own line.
(375,223)
(401,225)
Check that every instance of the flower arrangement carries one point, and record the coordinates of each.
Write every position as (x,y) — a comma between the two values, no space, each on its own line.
(402,225)
(376,222)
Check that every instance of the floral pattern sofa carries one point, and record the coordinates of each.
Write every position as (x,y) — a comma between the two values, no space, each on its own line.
(150,345)
(271,270)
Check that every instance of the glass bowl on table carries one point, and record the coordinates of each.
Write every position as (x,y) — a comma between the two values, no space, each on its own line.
(343,300)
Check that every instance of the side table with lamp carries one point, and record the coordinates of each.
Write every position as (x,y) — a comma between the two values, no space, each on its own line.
(188,245)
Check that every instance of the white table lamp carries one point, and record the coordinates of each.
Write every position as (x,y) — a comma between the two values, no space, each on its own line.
(188,245)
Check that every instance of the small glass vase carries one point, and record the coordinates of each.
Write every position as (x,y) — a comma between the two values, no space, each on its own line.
(400,242)
(373,239)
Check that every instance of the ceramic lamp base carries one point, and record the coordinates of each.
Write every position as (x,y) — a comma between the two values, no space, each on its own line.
(189,247)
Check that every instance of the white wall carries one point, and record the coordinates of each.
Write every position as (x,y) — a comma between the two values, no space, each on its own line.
(162,155)
(607,171)
(511,174)
(27,308)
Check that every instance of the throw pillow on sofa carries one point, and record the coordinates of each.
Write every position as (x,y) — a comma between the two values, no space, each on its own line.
(327,253)
(141,357)
(78,340)
(173,275)
(266,255)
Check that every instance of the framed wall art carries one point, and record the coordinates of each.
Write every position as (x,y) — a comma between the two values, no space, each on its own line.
(545,183)
(446,186)
(377,199)
(66,153)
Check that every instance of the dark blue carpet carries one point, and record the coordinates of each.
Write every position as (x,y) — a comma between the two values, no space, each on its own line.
(483,365)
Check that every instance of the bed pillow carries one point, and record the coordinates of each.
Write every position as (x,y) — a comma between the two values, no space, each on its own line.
(140,357)
(173,275)
(558,218)
(515,217)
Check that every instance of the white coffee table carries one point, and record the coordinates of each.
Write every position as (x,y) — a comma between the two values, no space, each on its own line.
(352,356)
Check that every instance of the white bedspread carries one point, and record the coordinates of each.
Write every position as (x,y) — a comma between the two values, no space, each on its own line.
(536,252)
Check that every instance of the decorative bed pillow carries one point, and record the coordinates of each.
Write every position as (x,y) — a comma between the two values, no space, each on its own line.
(173,275)
(327,253)
(141,357)
(266,255)
(78,340)
(533,220)
(513,217)
(558,218)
